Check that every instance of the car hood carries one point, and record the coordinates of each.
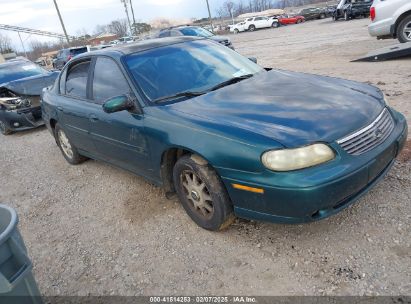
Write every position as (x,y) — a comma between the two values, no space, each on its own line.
(31,85)
(294,109)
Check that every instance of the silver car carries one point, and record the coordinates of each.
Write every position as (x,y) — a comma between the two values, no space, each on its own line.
(391,19)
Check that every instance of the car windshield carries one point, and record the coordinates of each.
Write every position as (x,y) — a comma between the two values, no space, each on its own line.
(16,70)
(194,66)
(196,31)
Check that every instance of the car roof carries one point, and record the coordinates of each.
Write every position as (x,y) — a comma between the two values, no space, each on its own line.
(141,46)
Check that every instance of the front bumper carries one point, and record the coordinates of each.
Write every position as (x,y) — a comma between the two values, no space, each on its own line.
(314,193)
(20,120)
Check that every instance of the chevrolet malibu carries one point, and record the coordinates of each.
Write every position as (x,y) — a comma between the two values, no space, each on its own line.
(228,136)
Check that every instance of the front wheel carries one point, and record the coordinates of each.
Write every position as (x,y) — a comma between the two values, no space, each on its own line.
(4,129)
(202,194)
(68,150)
(299,21)
(251,28)
(275,24)
(236,31)
(404,30)
(346,17)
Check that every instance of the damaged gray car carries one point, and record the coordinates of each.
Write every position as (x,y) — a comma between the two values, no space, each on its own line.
(21,84)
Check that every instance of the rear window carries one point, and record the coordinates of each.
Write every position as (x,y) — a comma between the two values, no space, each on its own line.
(78,51)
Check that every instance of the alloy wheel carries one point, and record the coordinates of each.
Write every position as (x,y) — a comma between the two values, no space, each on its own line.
(407,31)
(197,194)
(65,144)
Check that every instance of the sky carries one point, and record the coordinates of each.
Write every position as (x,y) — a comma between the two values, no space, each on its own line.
(86,14)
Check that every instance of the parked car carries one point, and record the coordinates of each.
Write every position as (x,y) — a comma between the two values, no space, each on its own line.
(349,9)
(64,56)
(125,40)
(252,24)
(391,19)
(228,136)
(312,13)
(290,19)
(21,83)
(194,31)
(238,28)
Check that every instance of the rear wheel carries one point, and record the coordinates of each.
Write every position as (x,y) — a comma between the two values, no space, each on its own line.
(404,30)
(275,24)
(251,28)
(202,193)
(322,16)
(299,20)
(69,151)
(346,17)
(4,129)
(236,31)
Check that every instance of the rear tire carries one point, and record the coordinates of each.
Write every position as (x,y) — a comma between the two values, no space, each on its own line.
(68,150)
(275,24)
(202,194)
(299,21)
(251,28)
(346,17)
(322,16)
(404,30)
(4,129)
(236,31)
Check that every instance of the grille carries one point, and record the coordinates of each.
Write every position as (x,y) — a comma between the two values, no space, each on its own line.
(369,137)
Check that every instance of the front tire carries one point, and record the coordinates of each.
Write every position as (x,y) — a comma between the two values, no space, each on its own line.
(236,31)
(68,150)
(346,17)
(4,129)
(202,194)
(251,28)
(404,30)
(275,24)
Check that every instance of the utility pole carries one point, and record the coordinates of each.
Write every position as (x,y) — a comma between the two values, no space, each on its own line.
(22,44)
(134,19)
(61,21)
(128,18)
(209,16)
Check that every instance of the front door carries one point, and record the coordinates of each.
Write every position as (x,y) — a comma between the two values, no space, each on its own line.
(119,138)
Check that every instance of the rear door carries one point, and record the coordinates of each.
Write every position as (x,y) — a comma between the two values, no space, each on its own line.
(119,137)
(74,105)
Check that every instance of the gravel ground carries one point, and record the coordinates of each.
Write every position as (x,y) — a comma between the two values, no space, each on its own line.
(94,229)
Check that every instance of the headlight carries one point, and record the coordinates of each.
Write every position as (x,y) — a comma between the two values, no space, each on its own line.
(294,159)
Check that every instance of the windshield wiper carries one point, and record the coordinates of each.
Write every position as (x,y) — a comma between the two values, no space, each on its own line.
(181,94)
(231,81)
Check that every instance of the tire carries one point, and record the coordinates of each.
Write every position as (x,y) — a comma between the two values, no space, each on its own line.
(346,17)
(236,31)
(4,129)
(251,28)
(275,24)
(299,21)
(322,16)
(68,150)
(404,30)
(202,193)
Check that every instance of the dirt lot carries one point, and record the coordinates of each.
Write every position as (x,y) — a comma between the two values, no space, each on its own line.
(95,229)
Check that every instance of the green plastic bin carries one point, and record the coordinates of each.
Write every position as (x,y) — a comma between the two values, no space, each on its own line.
(17,284)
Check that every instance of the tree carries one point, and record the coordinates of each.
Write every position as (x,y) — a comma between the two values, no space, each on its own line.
(5,44)
(118,27)
(141,27)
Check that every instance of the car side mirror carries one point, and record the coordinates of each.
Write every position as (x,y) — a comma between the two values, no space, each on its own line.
(117,104)
(253,59)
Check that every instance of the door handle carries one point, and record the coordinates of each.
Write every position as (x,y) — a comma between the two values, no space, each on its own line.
(93,118)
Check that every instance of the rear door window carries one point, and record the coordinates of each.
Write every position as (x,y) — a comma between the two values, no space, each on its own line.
(108,80)
(77,76)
